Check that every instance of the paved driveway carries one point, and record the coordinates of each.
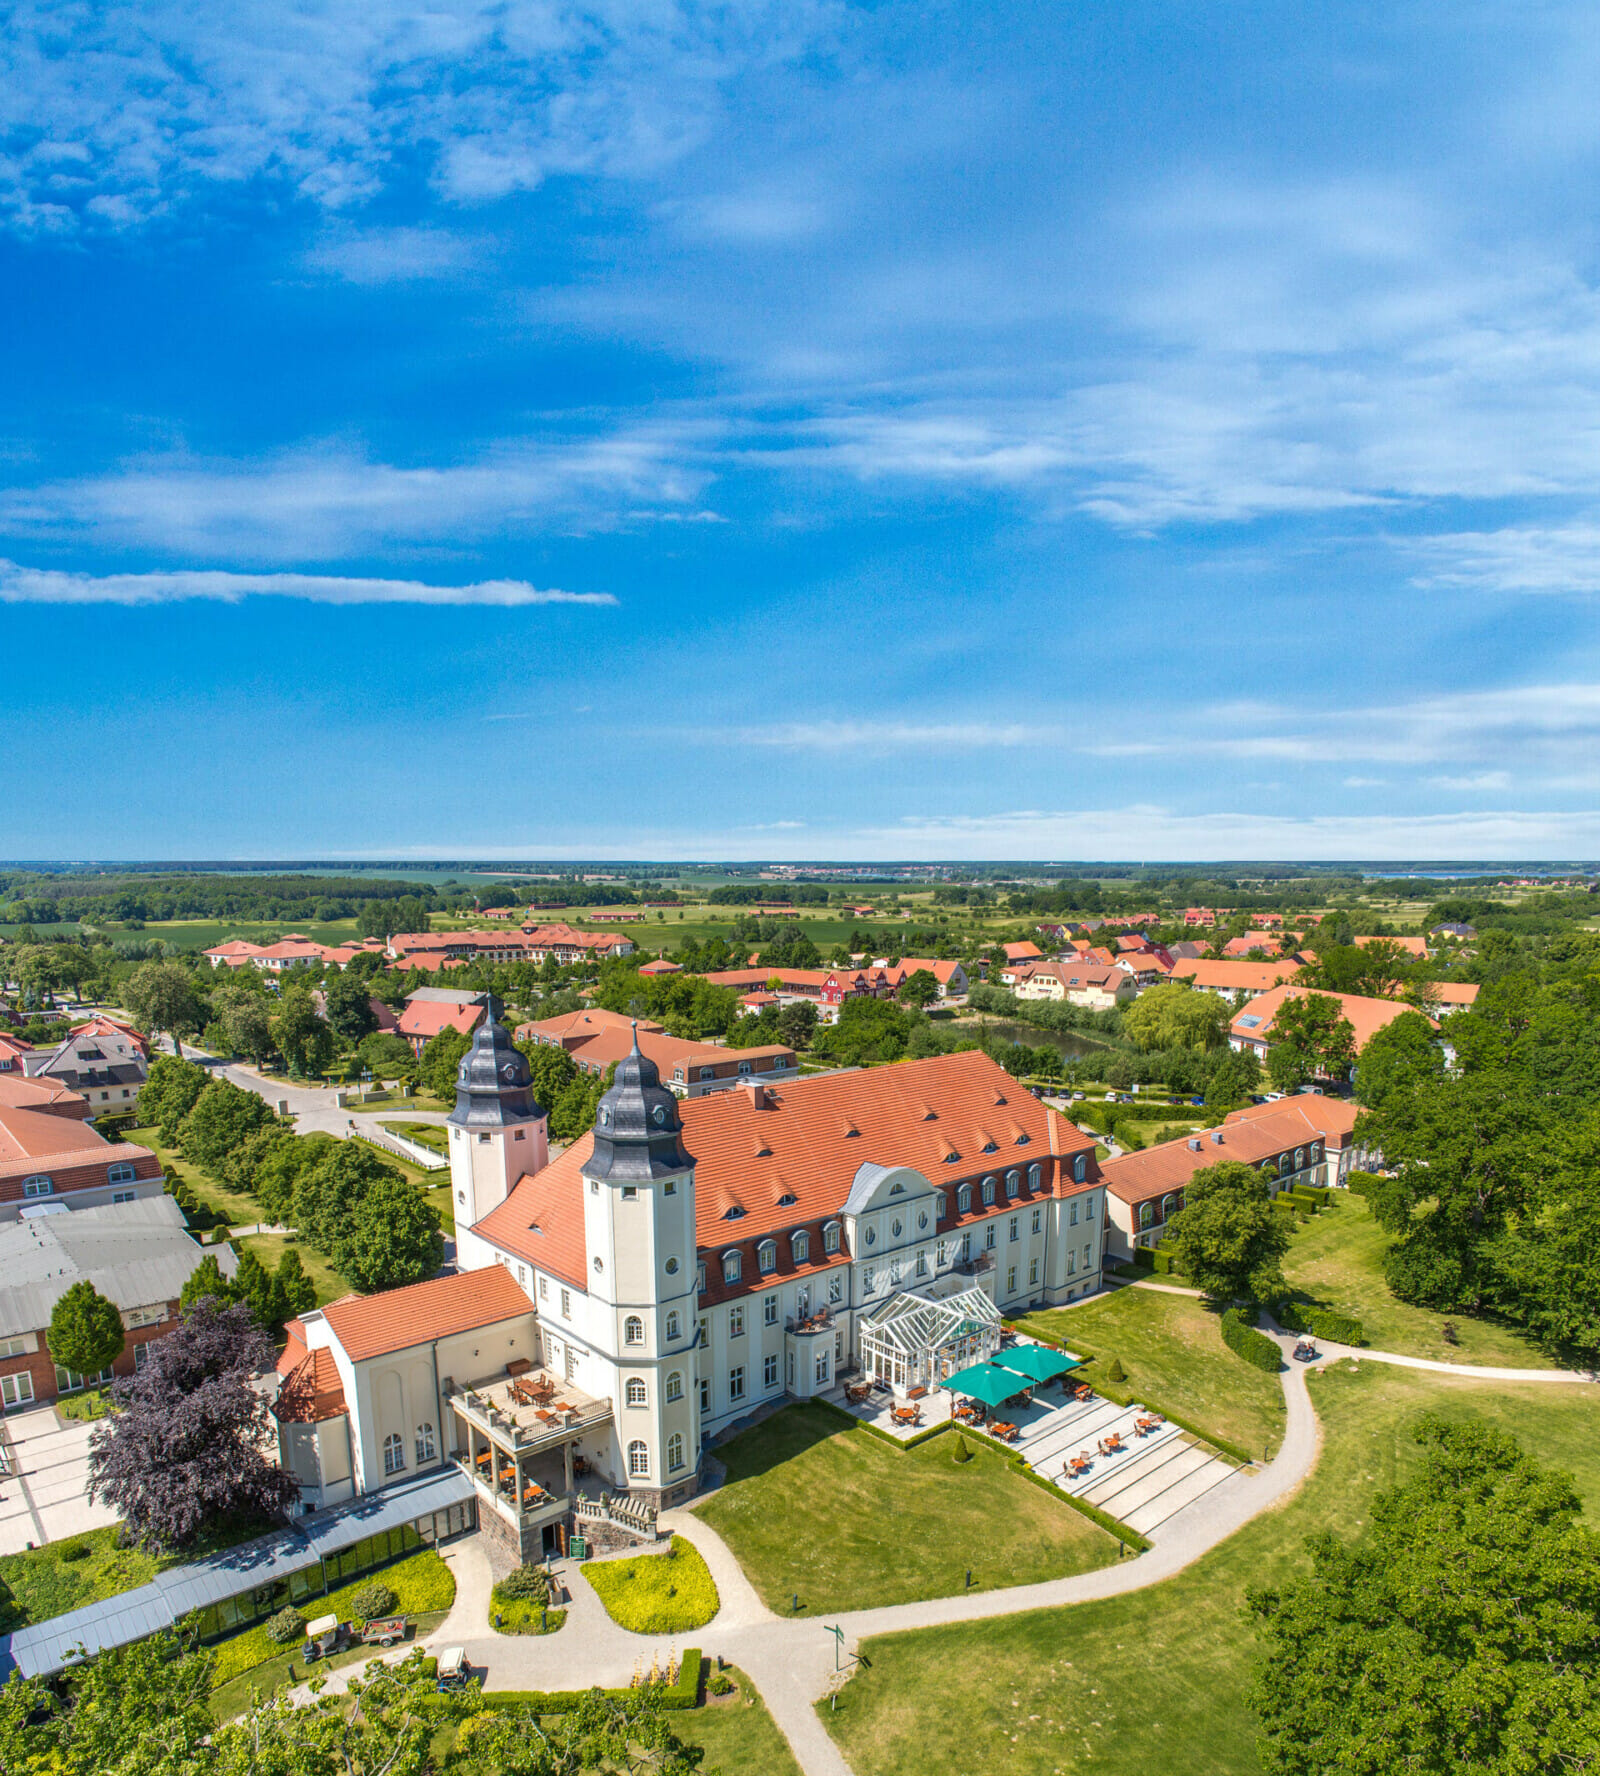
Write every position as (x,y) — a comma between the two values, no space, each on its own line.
(44,1479)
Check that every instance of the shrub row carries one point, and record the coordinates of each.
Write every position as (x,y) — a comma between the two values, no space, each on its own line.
(1362,1183)
(1320,1194)
(1296,1316)
(1153,1258)
(1244,1341)
(685,1693)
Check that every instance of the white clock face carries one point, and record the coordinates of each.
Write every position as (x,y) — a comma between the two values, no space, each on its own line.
(659,1115)
(672,1267)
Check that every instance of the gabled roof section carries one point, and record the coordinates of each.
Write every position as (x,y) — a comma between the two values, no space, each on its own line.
(373,1325)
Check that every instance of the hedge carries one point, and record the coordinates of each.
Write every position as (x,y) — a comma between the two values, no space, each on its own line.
(860,1424)
(685,1693)
(1362,1183)
(657,1593)
(1153,1258)
(1320,1322)
(1320,1194)
(1104,1519)
(1244,1341)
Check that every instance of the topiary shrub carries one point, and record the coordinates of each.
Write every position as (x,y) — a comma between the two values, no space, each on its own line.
(720,1685)
(962,1453)
(530,1584)
(73,1551)
(1115,1371)
(371,1601)
(286,1627)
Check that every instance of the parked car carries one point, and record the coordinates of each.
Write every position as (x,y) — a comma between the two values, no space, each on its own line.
(1199,1103)
(454,1672)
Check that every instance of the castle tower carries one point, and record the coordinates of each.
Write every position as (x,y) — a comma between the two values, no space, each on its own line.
(640,1248)
(497,1130)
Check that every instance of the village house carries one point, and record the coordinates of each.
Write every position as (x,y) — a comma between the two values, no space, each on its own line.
(1232,980)
(1096,989)
(1445,997)
(1251,1029)
(598,1039)
(432,1010)
(48,1096)
(137,1254)
(1145,968)
(103,1061)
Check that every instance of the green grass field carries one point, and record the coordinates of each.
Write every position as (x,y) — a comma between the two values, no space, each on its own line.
(270,1247)
(1171,1348)
(235,1207)
(65,1575)
(832,1513)
(737,1734)
(1337,1259)
(1156,1681)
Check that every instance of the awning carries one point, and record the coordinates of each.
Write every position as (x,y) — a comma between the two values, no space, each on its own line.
(987,1382)
(1037,1361)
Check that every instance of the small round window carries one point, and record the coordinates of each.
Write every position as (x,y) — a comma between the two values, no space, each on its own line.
(659,1115)
(672,1267)
(599,1264)
(922,1219)
(605,1116)
(871,1237)
(895,1230)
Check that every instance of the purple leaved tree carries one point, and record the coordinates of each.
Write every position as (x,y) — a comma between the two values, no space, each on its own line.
(186,1451)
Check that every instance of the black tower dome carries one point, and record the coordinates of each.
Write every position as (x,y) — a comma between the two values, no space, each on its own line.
(637,1130)
(494,1086)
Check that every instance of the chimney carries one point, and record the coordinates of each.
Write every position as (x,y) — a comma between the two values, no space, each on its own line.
(755,1091)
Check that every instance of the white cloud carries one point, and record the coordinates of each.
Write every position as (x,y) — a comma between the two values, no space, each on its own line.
(392,255)
(330,502)
(1519,558)
(888,736)
(111,114)
(34,585)
(1364,782)
(1482,782)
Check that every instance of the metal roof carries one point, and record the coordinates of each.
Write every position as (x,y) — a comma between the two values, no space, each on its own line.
(137,1254)
(48,1647)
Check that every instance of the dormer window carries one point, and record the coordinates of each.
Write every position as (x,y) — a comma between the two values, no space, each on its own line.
(1024,1138)
(988,1147)
(830,1237)
(767,1256)
(787,1200)
(897,1190)
(731,1267)
(800,1247)
(964,1198)
(988,1189)
(1013,1182)
(734,1214)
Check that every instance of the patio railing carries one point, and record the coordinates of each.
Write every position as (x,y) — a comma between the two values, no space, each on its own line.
(975,1266)
(820,1321)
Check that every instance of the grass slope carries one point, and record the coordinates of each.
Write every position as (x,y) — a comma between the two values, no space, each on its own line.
(835,1515)
(1337,1259)
(737,1734)
(1157,1680)
(1171,1348)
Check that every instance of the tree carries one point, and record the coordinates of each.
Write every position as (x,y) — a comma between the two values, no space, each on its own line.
(1396,1057)
(348,1007)
(185,1450)
(920,989)
(222,1118)
(1227,1237)
(86,1333)
(797,1024)
(170,1092)
(253,1284)
(1317,1034)
(242,1012)
(328,1191)
(207,1283)
(160,998)
(296,1291)
(386,1056)
(394,1238)
(436,1071)
(1460,1633)
(298,1029)
(1174,1016)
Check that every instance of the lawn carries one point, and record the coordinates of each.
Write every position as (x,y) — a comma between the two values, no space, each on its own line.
(235,1696)
(668,1593)
(1157,1680)
(1337,1260)
(832,1513)
(234,1206)
(65,1575)
(423,1134)
(1170,1347)
(270,1247)
(737,1733)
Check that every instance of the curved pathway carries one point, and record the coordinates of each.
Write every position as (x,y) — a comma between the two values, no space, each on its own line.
(794,1663)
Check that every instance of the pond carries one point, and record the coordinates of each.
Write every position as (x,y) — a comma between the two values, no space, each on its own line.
(1069,1044)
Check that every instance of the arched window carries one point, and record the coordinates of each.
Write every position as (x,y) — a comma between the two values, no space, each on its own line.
(1146,1214)
(638,1460)
(38,1185)
(830,1237)
(636,1392)
(674,1386)
(988,1189)
(425,1444)
(673,1324)
(964,1198)
(800,1246)
(730,1267)
(633,1330)
(394,1453)
(938,1205)
(1013,1181)
(1169,1206)
(1080,1168)
(767,1256)
(1034,1175)
(674,1452)
(1299,1157)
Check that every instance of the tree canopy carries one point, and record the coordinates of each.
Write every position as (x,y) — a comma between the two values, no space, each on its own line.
(392,1239)
(1460,1634)
(1227,1238)
(85,1330)
(1173,1016)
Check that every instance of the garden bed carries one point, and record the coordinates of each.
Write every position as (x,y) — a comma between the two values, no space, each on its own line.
(657,1593)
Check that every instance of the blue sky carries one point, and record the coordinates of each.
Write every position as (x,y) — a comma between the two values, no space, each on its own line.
(800,429)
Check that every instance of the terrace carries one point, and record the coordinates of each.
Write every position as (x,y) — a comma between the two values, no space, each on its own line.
(521,1441)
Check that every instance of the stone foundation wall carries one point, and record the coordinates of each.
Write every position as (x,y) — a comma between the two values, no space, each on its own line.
(502,1540)
(605,1537)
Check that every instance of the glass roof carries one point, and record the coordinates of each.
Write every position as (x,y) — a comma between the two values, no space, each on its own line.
(914,1322)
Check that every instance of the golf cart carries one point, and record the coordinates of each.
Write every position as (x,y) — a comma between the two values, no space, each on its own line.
(454,1672)
(1306,1351)
(322,1637)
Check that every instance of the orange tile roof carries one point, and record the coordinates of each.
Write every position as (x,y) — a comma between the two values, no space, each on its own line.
(425,1020)
(1367,1016)
(372,1325)
(610,1040)
(1455,992)
(1332,1118)
(807,1140)
(47,1096)
(1235,977)
(311,1389)
(1274,1129)
(1413,946)
(1265,941)
(1022,952)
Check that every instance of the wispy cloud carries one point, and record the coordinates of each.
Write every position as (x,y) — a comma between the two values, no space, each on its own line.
(35,585)
(392,255)
(330,501)
(888,736)
(1518,558)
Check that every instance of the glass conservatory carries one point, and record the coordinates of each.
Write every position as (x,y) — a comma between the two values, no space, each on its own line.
(912,1341)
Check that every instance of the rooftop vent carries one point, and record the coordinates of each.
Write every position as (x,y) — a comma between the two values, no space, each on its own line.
(1194,1143)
